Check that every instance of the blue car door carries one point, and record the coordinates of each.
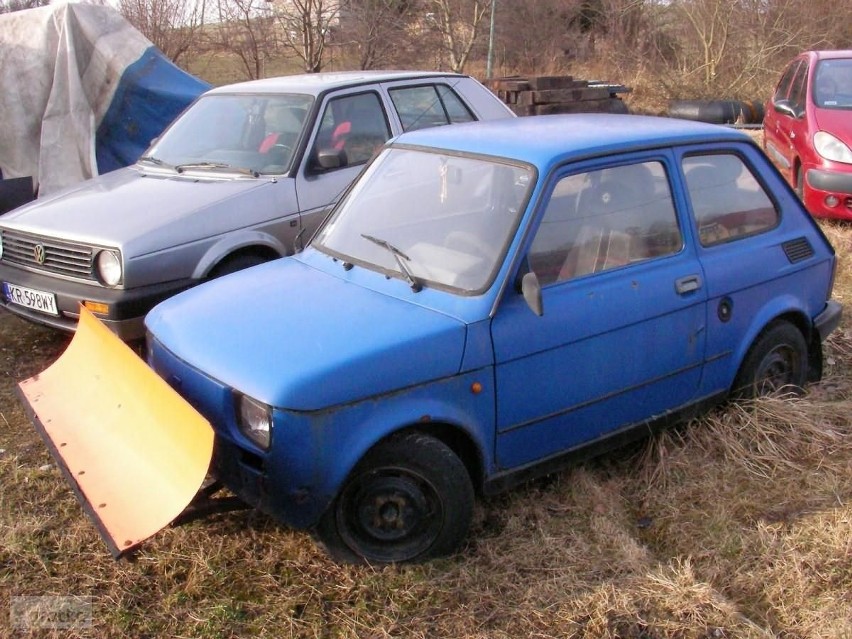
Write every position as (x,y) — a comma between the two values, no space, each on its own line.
(622,335)
(749,269)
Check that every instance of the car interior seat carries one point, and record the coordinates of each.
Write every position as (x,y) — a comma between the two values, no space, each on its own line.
(603,216)
(367,131)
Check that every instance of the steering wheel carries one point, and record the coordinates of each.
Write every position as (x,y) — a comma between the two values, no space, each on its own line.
(280,147)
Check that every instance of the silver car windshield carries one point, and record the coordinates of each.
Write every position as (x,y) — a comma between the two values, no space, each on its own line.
(430,218)
(254,134)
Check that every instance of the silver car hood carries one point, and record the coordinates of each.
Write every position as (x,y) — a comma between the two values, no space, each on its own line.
(139,211)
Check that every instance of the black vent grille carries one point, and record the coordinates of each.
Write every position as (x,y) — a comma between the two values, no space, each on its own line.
(48,254)
(798,250)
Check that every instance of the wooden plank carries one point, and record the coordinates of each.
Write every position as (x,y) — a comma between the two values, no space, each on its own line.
(518,109)
(569,95)
(585,106)
(526,97)
(544,82)
(613,88)
(509,84)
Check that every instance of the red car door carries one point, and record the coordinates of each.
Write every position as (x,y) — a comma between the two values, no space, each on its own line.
(785,125)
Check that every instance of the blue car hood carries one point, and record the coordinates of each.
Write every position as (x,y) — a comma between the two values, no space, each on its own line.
(298,338)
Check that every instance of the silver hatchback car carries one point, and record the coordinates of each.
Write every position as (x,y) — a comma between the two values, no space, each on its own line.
(243,176)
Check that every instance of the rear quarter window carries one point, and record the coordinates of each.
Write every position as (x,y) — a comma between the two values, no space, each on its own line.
(728,202)
(424,106)
(783,88)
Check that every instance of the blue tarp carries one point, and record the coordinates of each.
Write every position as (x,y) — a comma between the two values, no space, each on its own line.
(151,93)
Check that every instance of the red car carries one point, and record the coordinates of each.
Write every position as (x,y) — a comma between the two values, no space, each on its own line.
(808,130)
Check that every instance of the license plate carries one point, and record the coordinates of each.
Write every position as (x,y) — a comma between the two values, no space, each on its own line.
(31,298)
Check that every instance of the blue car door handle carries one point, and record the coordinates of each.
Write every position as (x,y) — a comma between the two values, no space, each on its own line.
(688,284)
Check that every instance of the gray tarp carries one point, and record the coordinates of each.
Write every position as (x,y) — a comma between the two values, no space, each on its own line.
(63,69)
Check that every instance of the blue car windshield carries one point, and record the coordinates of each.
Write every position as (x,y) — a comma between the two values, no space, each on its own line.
(431,218)
(251,133)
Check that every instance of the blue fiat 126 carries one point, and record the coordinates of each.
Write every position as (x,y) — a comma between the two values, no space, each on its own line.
(488,302)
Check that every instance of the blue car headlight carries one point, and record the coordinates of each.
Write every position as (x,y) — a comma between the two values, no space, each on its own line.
(254,419)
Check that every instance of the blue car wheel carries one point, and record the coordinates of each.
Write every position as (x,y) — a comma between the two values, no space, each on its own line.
(777,362)
(409,499)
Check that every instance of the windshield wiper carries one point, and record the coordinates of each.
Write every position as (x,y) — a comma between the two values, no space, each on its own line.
(180,168)
(152,160)
(398,255)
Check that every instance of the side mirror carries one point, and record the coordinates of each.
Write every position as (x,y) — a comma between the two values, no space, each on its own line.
(330,159)
(531,290)
(786,108)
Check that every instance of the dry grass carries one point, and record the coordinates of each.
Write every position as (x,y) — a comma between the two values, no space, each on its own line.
(735,525)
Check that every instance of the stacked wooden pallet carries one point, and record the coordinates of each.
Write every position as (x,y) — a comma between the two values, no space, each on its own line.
(542,95)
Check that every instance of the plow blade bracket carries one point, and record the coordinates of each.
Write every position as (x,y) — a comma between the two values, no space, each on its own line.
(134,451)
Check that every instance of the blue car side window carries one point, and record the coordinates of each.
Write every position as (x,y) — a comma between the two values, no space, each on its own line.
(727,200)
(605,219)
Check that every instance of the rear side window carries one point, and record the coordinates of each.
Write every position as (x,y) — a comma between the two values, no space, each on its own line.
(799,88)
(728,202)
(605,219)
(428,105)
(786,81)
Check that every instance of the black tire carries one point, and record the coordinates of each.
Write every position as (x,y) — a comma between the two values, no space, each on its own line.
(235,263)
(713,111)
(409,499)
(777,362)
(718,111)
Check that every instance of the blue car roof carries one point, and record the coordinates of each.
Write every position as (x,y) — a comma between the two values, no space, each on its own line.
(541,140)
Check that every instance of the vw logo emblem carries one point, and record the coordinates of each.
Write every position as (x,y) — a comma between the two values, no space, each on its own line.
(39,253)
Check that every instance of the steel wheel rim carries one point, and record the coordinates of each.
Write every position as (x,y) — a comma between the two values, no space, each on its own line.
(390,515)
(776,370)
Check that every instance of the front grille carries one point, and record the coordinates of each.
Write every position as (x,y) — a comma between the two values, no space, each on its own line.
(71,259)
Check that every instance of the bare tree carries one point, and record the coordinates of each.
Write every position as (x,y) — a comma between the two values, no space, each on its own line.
(458,22)
(174,26)
(732,48)
(305,29)
(9,6)
(378,30)
(537,36)
(710,22)
(245,28)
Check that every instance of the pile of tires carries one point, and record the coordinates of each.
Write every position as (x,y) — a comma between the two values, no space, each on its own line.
(718,111)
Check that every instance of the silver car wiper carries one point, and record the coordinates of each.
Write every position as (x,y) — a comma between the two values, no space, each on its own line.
(180,168)
(398,255)
(152,160)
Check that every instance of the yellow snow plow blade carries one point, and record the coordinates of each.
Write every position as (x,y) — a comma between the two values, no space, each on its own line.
(134,451)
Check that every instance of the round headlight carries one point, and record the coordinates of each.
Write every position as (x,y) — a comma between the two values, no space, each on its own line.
(108,265)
